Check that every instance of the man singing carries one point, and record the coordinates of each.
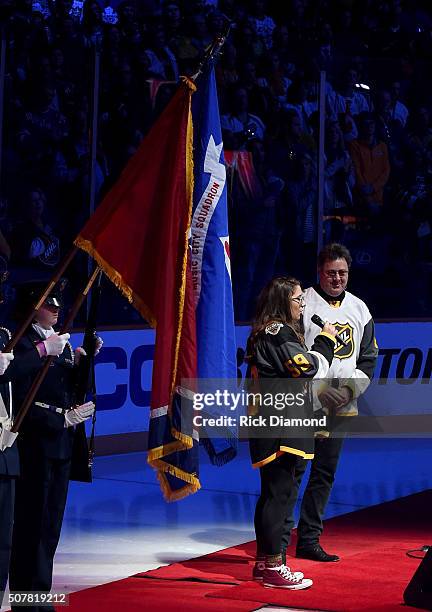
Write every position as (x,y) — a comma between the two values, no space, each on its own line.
(351,370)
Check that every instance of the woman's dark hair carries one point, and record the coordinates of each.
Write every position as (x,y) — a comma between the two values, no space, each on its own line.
(274,305)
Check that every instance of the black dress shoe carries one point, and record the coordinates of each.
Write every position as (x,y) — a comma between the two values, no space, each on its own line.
(315,553)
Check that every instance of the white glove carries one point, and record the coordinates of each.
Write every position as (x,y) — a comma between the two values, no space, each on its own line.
(78,415)
(55,344)
(5,359)
(7,438)
(79,351)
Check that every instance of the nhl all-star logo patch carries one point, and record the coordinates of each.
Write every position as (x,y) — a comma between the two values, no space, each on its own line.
(273,328)
(346,332)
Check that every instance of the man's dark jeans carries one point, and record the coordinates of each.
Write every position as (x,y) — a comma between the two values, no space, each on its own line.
(316,495)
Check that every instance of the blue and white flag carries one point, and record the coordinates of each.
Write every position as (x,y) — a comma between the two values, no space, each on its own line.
(211,267)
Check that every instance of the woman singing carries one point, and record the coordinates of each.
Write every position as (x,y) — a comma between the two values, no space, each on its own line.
(276,351)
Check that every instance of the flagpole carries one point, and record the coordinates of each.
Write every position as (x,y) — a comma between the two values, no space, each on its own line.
(213,51)
(94,128)
(94,140)
(54,280)
(321,161)
(43,372)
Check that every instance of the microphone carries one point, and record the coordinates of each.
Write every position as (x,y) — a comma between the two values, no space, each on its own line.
(318,321)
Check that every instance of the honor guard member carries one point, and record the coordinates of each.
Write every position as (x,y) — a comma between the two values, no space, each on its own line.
(350,373)
(9,458)
(9,463)
(45,445)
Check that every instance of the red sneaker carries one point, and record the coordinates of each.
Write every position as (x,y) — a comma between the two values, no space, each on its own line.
(281,578)
(258,571)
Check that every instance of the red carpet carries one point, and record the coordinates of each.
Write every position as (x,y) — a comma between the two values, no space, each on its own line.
(151,595)
(364,582)
(372,575)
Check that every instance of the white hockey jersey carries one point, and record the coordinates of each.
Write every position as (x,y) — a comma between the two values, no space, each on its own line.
(354,363)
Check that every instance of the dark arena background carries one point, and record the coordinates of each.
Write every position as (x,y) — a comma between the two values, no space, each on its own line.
(324,108)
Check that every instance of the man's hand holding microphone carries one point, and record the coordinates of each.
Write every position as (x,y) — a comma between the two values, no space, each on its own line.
(328,328)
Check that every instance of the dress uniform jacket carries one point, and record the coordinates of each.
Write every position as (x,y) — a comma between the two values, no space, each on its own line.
(43,428)
(45,447)
(9,458)
(9,469)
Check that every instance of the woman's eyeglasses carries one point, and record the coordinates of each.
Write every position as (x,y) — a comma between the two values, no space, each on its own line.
(300,299)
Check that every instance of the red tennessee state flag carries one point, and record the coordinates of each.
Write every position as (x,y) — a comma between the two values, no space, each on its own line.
(139,237)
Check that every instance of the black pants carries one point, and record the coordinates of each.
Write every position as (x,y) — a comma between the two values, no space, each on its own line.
(39,508)
(7,496)
(316,495)
(277,483)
